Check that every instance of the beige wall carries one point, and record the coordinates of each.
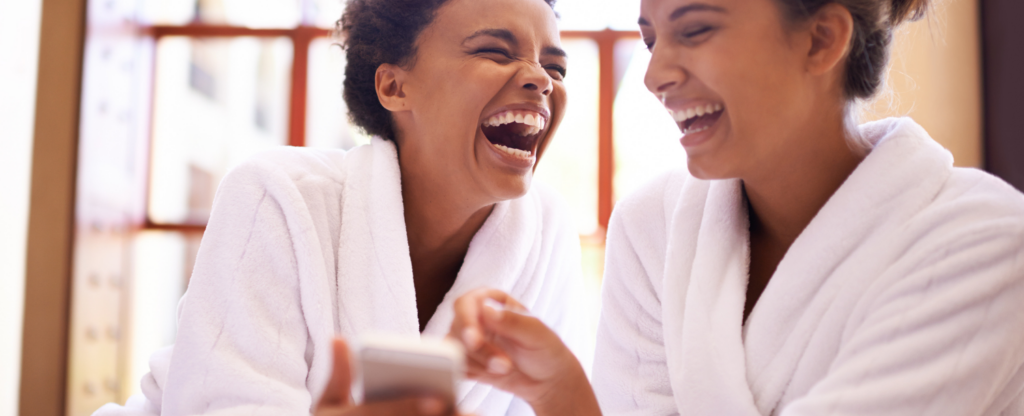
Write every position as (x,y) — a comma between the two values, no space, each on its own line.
(19,47)
(935,77)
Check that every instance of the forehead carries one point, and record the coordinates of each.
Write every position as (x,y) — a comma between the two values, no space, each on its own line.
(531,20)
(656,11)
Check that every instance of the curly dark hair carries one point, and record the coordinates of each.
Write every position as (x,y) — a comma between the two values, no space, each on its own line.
(376,32)
(873,25)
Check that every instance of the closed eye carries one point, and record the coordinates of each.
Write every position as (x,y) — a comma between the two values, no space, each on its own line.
(501,52)
(557,68)
(700,31)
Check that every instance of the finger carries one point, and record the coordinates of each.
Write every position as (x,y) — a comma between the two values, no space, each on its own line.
(466,326)
(466,323)
(339,387)
(489,358)
(507,302)
(520,329)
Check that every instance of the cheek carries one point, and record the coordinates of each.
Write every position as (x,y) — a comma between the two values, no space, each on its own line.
(453,97)
(756,78)
(473,88)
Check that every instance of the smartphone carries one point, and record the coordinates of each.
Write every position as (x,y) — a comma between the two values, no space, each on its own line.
(392,366)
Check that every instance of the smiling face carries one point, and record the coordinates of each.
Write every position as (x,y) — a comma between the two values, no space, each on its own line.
(735,78)
(482,96)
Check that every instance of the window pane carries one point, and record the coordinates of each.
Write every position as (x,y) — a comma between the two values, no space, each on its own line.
(250,13)
(598,14)
(569,164)
(160,267)
(646,138)
(216,102)
(326,114)
(327,12)
(165,12)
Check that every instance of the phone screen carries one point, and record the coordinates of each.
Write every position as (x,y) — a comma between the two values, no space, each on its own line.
(389,374)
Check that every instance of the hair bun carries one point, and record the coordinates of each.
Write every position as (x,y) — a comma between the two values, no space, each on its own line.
(906,10)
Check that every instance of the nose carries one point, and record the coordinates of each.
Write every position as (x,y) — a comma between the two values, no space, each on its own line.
(535,78)
(664,72)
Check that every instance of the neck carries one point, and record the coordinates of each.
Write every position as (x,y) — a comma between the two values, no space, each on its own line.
(440,219)
(786,195)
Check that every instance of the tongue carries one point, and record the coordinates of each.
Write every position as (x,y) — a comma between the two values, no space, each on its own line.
(508,135)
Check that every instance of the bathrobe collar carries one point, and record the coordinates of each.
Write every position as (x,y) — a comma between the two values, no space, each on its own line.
(499,254)
(375,289)
(707,345)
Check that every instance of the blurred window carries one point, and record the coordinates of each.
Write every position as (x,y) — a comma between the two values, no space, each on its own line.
(216,101)
(569,162)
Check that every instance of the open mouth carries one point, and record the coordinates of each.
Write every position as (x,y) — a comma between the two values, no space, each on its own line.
(515,132)
(699,118)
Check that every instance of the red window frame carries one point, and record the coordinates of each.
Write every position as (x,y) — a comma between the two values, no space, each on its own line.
(302,36)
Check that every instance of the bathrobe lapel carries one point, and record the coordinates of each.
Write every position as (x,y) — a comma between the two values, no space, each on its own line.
(375,288)
(843,243)
(704,295)
(718,365)
(502,255)
(375,282)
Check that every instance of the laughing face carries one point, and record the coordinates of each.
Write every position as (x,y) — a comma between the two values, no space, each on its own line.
(734,79)
(483,96)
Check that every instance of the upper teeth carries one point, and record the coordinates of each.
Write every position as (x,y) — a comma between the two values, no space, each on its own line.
(534,120)
(700,110)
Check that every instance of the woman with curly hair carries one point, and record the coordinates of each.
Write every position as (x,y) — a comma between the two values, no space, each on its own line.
(802,265)
(303,244)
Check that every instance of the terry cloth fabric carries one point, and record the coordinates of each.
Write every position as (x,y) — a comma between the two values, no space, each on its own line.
(304,244)
(903,296)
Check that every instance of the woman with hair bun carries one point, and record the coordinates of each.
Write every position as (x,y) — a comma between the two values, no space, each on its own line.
(306,244)
(802,264)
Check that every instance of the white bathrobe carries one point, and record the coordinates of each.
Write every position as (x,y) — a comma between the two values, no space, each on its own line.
(304,244)
(903,296)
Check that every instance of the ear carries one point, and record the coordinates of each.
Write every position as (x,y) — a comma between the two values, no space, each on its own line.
(390,81)
(830,30)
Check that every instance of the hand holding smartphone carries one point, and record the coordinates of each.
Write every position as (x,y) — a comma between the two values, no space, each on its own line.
(393,366)
(346,374)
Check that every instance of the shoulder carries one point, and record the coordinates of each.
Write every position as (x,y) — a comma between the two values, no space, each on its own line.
(973,202)
(966,243)
(978,189)
(284,182)
(552,208)
(288,165)
(648,209)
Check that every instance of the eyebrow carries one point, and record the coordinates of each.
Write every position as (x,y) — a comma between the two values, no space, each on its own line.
(503,34)
(677,13)
(508,36)
(551,50)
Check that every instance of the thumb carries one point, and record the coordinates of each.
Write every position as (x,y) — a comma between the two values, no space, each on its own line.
(339,387)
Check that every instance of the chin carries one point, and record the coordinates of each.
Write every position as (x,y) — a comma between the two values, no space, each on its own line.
(510,187)
(704,168)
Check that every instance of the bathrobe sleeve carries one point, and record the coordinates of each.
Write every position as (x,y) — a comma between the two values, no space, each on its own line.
(630,371)
(943,334)
(243,345)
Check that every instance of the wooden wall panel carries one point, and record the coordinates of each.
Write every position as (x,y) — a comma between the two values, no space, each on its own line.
(935,78)
(1003,36)
(51,210)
